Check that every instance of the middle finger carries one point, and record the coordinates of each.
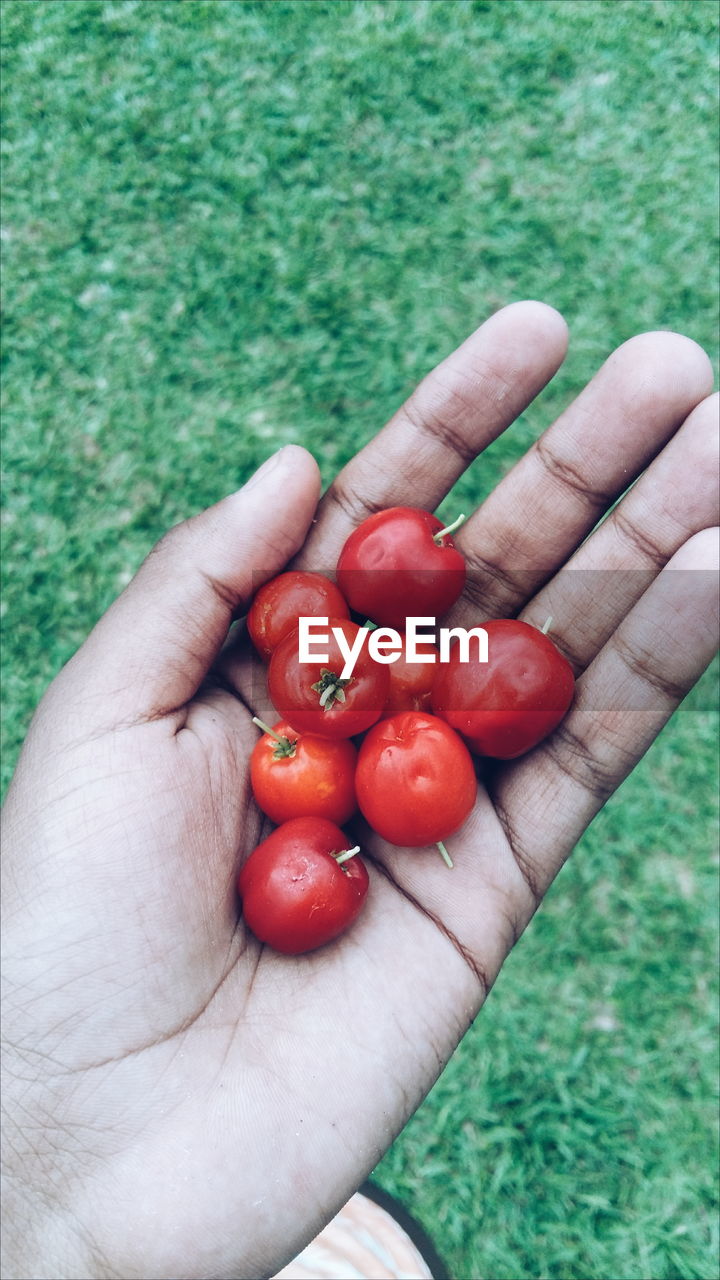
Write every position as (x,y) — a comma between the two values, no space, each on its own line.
(553,497)
(674,499)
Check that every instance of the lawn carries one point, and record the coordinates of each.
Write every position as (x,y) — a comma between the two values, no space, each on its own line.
(231,225)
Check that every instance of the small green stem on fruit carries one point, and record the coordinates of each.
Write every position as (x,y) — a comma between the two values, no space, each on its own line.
(330,687)
(445,855)
(344,857)
(285,748)
(449,528)
(266,729)
(547,625)
(370,626)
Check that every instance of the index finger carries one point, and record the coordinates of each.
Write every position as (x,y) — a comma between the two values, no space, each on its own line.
(453,414)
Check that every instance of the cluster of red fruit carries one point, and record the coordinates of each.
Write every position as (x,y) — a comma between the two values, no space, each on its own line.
(412,777)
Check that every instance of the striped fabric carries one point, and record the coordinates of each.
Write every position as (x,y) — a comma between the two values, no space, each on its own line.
(361,1243)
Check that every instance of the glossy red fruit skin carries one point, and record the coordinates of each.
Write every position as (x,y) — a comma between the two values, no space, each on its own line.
(391,569)
(411,683)
(317,780)
(415,779)
(505,707)
(290,684)
(280,602)
(294,895)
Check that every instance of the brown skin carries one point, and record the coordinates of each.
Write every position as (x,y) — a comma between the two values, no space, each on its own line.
(169,1088)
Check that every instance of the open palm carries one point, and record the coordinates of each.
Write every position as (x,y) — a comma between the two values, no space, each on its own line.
(180,1100)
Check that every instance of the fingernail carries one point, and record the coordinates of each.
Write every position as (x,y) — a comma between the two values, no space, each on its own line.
(269,465)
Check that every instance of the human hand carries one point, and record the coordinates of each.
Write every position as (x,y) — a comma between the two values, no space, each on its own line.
(180,1100)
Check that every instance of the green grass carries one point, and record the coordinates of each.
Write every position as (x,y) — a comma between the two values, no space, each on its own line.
(572,1134)
(227,226)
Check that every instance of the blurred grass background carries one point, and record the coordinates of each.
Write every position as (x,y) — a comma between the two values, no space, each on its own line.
(231,225)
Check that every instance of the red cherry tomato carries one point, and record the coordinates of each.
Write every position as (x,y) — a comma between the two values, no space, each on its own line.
(507,705)
(281,601)
(313,697)
(295,893)
(392,567)
(415,779)
(300,775)
(411,682)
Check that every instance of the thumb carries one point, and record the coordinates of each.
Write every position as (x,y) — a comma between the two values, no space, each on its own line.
(150,652)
